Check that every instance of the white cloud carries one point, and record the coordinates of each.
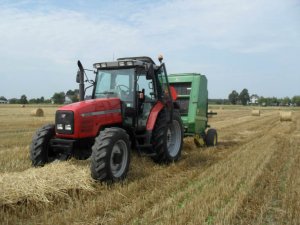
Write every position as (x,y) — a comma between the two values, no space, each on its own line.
(235,25)
(49,36)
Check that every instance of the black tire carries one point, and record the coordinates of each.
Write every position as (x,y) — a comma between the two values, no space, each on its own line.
(111,146)
(211,137)
(40,149)
(167,139)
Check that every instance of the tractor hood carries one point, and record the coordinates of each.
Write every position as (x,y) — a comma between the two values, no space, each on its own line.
(93,105)
(89,116)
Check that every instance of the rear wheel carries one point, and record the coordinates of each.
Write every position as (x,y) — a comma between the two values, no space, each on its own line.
(167,138)
(110,155)
(40,150)
(211,137)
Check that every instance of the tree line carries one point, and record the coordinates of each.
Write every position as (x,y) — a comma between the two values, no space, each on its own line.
(273,101)
(244,98)
(234,98)
(57,98)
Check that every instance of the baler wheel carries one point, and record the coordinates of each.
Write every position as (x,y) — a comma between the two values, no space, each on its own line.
(167,139)
(110,155)
(40,151)
(211,137)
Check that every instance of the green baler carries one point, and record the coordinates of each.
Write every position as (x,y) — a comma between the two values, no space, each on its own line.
(192,98)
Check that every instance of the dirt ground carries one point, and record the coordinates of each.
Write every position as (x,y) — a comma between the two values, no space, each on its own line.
(251,177)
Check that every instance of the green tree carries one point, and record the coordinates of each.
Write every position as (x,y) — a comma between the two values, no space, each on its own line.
(58,98)
(40,100)
(244,96)
(14,101)
(262,101)
(73,95)
(296,100)
(233,97)
(47,101)
(3,98)
(23,100)
(74,98)
(268,101)
(32,101)
(285,101)
(274,101)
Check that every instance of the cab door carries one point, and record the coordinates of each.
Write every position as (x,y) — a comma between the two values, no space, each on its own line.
(163,90)
(146,100)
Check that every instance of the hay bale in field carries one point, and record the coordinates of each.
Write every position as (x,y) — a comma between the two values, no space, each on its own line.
(37,112)
(22,106)
(286,116)
(44,185)
(255,112)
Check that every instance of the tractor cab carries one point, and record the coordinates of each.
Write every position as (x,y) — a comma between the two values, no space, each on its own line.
(138,83)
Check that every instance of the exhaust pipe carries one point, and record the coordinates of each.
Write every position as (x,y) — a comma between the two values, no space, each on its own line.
(80,80)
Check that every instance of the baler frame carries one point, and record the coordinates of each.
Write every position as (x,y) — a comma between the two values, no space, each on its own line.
(192,97)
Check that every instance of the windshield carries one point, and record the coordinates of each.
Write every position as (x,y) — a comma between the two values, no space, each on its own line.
(115,83)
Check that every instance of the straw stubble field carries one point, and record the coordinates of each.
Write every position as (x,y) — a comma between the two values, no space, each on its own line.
(252,177)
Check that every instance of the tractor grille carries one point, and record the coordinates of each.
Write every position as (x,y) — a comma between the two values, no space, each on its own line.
(183,101)
(64,121)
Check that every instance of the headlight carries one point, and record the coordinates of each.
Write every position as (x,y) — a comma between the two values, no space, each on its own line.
(68,127)
(129,63)
(121,63)
(97,66)
(59,127)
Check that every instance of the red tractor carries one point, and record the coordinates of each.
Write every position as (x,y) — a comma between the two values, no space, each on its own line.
(132,106)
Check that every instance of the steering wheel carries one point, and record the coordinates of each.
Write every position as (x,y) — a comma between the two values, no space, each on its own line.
(121,91)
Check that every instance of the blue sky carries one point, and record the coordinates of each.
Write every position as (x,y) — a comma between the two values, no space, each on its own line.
(236,43)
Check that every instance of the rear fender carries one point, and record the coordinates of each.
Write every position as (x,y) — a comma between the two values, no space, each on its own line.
(153,115)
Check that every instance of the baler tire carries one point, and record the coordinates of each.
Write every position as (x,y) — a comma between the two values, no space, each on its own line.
(160,135)
(211,138)
(40,149)
(104,149)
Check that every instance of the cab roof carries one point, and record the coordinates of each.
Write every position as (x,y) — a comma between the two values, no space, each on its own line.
(138,58)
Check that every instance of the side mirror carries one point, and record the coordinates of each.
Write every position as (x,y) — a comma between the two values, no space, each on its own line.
(78,76)
(150,72)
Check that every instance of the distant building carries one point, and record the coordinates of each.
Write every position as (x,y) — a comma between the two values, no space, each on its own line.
(3,102)
(254,99)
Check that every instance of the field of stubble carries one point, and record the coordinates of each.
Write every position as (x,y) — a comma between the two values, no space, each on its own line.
(252,177)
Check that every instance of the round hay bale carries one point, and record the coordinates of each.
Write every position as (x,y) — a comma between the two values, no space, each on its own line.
(255,112)
(37,112)
(22,106)
(286,116)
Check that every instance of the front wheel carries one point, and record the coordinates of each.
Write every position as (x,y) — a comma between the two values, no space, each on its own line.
(40,150)
(110,155)
(167,139)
